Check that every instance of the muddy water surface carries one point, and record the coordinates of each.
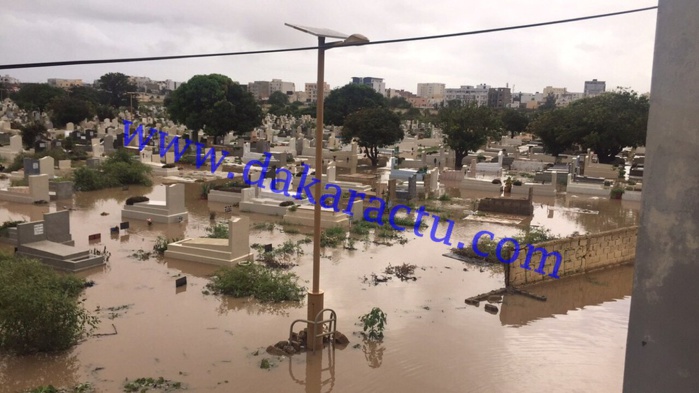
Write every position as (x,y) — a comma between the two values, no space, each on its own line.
(434,342)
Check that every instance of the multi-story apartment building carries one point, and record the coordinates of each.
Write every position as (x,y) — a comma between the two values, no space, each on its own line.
(375,83)
(499,97)
(468,94)
(65,83)
(287,88)
(260,89)
(594,87)
(311,90)
(431,90)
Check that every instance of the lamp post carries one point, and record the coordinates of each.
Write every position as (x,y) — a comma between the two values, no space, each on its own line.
(315,295)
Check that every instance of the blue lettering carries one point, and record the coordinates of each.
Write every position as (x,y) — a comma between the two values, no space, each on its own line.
(474,243)
(392,216)
(175,141)
(501,244)
(212,154)
(544,255)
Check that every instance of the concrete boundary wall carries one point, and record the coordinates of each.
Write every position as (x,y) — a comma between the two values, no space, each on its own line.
(581,254)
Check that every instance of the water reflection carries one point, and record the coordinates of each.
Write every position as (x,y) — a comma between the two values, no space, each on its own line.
(373,352)
(315,370)
(254,307)
(566,295)
(18,373)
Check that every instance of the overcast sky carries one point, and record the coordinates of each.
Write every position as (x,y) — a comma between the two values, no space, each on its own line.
(618,50)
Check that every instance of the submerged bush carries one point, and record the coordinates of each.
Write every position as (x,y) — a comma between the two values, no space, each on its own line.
(262,283)
(39,309)
(218,231)
(118,170)
(333,237)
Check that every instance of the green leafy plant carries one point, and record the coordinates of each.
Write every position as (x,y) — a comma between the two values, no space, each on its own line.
(143,385)
(616,193)
(265,284)
(161,243)
(218,231)
(333,237)
(39,308)
(374,324)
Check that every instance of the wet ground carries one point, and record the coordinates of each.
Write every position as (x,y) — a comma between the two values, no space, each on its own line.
(574,342)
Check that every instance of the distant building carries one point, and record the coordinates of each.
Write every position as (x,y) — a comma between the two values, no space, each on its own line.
(499,97)
(311,90)
(390,93)
(299,96)
(594,87)
(556,91)
(65,83)
(260,89)
(431,90)
(375,83)
(419,102)
(468,94)
(287,88)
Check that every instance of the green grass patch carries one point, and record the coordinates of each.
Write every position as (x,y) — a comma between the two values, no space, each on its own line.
(143,385)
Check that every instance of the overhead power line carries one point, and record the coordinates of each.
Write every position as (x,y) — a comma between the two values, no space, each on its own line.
(305,48)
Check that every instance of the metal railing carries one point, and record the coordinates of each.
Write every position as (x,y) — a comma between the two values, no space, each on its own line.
(332,321)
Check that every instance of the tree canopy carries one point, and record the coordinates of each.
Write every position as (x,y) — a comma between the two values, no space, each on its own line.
(67,109)
(214,103)
(278,103)
(399,102)
(31,132)
(605,123)
(36,96)
(467,127)
(117,86)
(514,121)
(373,128)
(348,99)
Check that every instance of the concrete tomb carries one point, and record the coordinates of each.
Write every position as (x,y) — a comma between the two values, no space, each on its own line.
(50,242)
(222,252)
(169,211)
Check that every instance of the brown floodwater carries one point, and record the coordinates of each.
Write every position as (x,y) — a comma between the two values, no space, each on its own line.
(574,342)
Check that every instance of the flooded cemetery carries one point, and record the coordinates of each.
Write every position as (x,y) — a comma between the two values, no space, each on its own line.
(454,320)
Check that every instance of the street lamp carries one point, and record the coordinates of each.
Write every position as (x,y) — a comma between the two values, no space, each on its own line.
(315,295)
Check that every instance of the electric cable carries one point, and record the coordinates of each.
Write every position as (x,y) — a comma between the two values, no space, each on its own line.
(306,48)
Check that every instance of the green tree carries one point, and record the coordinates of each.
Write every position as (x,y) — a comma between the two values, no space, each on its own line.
(215,103)
(556,129)
(66,109)
(349,99)
(39,308)
(399,102)
(466,127)
(278,102)
(373,128)
(609,122)
(549,104)
(514,121)
(31,132)
(36,96)
(605,123)
(117,86)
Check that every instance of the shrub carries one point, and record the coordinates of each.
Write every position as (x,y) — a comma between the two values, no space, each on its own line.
(262,283)
(161,243)
(496,181)
(286,203)
(374,323)
(332,237)
(9,224)
(218,231)
(39,309)
(517,182)
(534,236)
(444,198)
(136,199)
(118,170)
